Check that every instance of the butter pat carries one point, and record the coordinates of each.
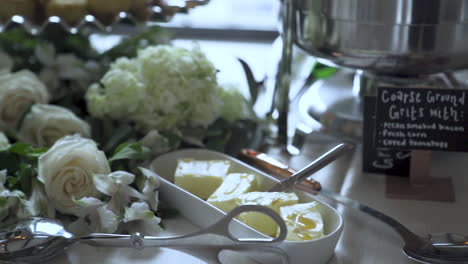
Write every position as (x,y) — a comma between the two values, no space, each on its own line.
(304,221)
(200,177)
(226,197)
(273,200)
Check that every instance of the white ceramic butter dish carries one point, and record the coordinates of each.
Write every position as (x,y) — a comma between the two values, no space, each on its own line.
(202,213)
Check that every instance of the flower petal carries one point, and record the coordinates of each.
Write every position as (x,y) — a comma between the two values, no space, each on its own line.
(89,202)
(3,175)
(108,220)
(87,205)
(150,187)
(10,201)
(38,204)
(142,219)
(45,53)
(150,226)
(4,143)
(137,211)
(122,177)
(105,184)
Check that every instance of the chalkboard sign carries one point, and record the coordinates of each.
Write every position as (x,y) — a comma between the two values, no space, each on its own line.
(424,119)
(381,160)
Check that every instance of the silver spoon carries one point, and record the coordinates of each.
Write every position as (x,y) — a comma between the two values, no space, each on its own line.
(443,248)
(39,239)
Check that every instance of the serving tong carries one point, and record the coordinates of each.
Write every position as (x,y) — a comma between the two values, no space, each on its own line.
(38,239)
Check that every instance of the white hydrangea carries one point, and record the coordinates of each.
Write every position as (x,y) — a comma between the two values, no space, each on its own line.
(121,97)
(235,106)
(164,87)
(156,142)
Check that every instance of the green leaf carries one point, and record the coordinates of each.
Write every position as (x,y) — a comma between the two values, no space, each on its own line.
(254,87)
(20,148)
(3,201)
(322,71)
(129,151)
(79,203)
(26,150)
(20,44)
(148,214)
(119,134)
(217,144)
(174,138)
(9,161)
(129,47)
(22,178)
(25,176)
(11,182)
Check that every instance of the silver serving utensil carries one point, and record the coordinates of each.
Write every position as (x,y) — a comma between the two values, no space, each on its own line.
(443,248)
(313,167)
(39,239)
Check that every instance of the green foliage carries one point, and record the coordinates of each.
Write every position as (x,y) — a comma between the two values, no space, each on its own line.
(230,137)
(26,150)
(20,161)
(322,71)
(154,35)
(129,151)
(24,178)
(254,87)
(20,45)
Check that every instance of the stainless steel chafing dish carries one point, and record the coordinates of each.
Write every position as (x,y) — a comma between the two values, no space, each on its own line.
(396,40)
(385,37)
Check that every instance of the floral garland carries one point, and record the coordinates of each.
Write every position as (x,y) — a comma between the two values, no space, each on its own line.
(134,102)
(74,179)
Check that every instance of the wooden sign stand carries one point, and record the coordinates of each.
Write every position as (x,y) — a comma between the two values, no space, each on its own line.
(420,185)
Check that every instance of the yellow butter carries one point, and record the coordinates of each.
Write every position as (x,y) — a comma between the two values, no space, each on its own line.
(226,197)
(304,221)
(200,177)
(273,200)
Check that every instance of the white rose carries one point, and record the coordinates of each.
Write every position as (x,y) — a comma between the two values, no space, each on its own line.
(17,91)
(45,124)
(67,171)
